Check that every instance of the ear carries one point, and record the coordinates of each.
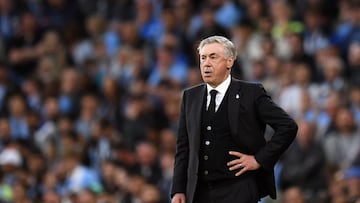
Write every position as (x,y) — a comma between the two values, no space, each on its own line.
(229,62)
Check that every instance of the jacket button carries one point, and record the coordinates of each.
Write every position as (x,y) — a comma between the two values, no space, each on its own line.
(207,143)
(206,172)
(206,157)
(208,128)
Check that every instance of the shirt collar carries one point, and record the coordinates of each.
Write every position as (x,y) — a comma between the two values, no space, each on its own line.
(220,88)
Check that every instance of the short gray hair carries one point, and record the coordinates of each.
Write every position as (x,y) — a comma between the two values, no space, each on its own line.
(229,47)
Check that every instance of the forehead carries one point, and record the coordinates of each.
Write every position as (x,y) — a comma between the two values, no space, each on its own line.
(213,48)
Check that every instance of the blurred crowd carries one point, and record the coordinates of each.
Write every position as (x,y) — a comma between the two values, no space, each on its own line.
(90,93)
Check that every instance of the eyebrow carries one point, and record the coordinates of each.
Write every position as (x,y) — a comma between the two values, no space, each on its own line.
(211,54)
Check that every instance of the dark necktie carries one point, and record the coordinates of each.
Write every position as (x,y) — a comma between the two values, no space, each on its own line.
(211,109)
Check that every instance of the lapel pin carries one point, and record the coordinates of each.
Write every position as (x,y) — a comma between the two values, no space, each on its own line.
(237,96)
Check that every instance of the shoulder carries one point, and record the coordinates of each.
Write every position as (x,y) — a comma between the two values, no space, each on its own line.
(246,85)
(195,89)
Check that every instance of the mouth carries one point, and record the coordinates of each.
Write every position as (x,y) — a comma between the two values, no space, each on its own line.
(207,73)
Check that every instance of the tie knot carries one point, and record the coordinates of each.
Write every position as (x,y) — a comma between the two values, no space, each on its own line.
(213,93)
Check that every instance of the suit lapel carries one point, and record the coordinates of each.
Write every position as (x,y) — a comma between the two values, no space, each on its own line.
(234,103)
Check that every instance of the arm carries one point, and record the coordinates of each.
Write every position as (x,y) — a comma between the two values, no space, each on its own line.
(285,130)
(181,156)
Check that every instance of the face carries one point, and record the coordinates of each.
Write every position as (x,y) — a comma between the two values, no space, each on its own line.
(215,66)
(4,128)
(344,120)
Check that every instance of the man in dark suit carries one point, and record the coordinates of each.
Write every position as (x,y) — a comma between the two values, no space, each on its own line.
(221,153)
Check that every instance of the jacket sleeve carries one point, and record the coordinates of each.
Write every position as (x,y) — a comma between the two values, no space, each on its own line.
(285,129)
(182,153)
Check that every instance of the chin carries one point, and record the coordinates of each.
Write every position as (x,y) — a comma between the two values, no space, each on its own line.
(208,81)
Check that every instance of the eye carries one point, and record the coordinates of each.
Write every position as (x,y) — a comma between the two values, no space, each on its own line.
(214,56)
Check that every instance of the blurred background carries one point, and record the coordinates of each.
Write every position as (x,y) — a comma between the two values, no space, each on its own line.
(90,93)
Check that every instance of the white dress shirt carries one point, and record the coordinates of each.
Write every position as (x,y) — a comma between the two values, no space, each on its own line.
(221,90)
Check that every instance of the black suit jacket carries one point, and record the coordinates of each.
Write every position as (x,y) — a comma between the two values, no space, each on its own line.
(249,110)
